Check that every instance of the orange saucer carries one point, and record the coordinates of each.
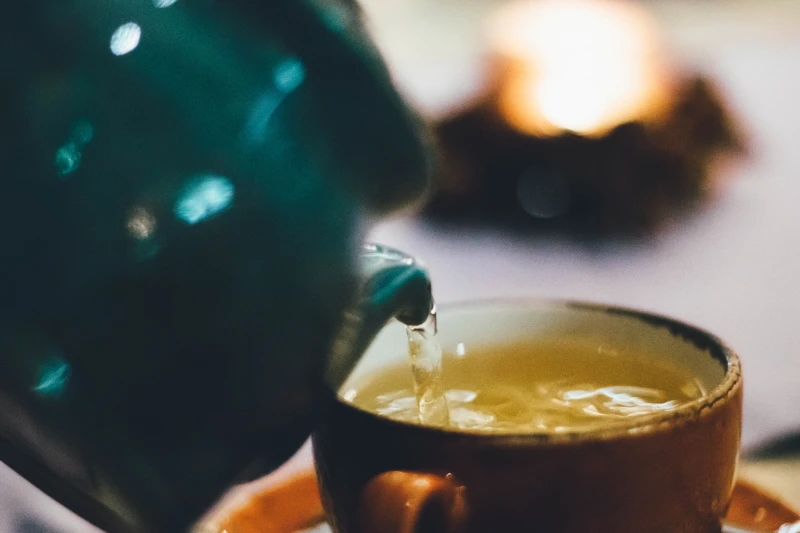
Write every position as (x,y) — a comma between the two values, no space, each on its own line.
(294,505)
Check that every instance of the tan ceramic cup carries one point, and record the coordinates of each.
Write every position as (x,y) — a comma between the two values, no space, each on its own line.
(670,472)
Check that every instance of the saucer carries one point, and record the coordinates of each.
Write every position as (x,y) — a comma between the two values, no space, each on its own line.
(292,505)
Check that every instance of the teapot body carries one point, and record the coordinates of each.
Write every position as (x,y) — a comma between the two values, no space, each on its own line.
(185,185)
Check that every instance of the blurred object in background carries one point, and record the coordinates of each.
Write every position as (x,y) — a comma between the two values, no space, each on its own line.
(579,122)
(585,127)
(633,179)
(584,66)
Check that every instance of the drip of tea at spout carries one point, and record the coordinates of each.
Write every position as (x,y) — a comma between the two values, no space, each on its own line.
(426,366)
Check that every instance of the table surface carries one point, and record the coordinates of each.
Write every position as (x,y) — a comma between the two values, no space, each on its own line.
(733,269)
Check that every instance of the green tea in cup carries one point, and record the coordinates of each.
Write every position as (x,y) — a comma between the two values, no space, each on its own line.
(536,386)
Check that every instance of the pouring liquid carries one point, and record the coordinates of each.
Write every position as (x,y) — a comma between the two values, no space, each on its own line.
(425,353)
(523,387)
(527,387)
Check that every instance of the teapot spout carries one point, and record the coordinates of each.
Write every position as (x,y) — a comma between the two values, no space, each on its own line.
(394,286)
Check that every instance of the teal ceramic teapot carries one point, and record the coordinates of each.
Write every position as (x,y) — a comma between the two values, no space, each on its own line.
(185,186)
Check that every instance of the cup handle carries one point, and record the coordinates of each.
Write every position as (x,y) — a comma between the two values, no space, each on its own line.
(413,502)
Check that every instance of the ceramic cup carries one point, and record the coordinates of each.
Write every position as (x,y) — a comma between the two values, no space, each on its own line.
(668,472)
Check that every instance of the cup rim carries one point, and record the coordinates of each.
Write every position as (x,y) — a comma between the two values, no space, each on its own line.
(640,425)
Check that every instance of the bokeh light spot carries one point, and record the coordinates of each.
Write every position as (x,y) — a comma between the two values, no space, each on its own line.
(289,75)
(125,39)
(53,378)
(203,197)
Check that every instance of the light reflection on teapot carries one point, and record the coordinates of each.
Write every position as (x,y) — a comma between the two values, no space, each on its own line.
(186,189)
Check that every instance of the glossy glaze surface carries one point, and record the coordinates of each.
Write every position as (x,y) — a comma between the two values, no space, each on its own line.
(185,186)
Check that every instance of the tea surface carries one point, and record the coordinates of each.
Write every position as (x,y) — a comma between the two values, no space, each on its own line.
(535,387)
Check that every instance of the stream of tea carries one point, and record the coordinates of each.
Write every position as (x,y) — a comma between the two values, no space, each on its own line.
(523,387)
(425,353)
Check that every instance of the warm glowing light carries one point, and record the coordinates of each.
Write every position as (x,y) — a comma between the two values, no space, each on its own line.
(577,65)
(141,224)
(350,395)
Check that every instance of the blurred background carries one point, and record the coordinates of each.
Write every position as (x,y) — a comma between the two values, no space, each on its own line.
(643,154)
